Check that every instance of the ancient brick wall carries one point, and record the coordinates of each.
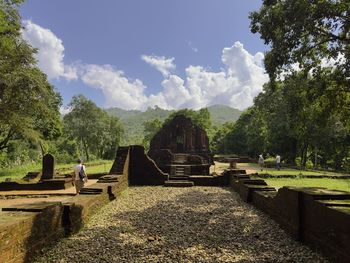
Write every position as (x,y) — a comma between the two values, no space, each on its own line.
(23,233)
(28,232)
(310,215)
(143,170)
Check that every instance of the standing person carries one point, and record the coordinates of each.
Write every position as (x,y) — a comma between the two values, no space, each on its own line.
(79,176)
(261,162)
(278,162)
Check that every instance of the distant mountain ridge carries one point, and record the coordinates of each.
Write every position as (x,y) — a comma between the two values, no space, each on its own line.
(133,119)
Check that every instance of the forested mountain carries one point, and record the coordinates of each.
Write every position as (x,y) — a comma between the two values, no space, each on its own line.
(133,119)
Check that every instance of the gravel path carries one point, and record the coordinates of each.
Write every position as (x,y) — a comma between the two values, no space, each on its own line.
(197,224)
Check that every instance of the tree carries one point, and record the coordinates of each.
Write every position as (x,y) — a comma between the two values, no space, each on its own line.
(29,105)
(150,129)
(91,126)
(306,109)
(220,142)
(305,32)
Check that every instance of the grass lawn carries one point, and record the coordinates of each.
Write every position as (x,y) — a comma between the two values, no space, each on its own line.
(16,173)
(332,184)
(284,171)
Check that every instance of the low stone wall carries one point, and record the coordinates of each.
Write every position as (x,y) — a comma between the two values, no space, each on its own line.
(26,229)
(317,217)
(206,180)
(24,233)
(53,184)
(236,159)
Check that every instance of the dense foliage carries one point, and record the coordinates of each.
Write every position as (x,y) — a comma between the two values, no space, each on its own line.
(150,129)
(30,121)
(298,119)
(308,33)
(29,105)
(97,132)
(303,112)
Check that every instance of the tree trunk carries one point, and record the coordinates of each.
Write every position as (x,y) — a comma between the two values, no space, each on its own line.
(42,149)
(315,162)
(304,158)
(293,151)
(86,150)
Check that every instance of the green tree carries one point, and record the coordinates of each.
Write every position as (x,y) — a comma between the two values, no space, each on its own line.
(98,133)
(304,32)
(29,106)
(220,143)
(150,129)
(309,109)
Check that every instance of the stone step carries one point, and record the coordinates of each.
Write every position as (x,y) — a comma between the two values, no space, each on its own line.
(178,183)
(176,177)
(90,191)
(180,158)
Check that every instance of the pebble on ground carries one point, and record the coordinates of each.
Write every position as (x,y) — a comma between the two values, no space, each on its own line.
(162,224)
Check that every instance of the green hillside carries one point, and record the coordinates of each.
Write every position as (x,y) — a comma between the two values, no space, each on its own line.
(221,114)
(133,119)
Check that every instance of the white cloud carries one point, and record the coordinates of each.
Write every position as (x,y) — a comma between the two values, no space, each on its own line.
(50,51)
(173,95)
(162,64)
(118,90)
(65,110)
(236,84)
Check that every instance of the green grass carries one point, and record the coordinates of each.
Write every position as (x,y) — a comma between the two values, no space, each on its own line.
(18,172)
(98,166)
(284,171)
(332,184)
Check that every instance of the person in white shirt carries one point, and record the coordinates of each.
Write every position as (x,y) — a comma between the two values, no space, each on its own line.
(261,162)
(278,162)
(79,176)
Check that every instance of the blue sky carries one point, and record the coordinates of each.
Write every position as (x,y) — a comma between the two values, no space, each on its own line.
(135,54)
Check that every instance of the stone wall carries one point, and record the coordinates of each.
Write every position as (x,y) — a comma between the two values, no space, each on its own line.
(26,229)
(317,217)
(22,234)
(143,170)
(53,184)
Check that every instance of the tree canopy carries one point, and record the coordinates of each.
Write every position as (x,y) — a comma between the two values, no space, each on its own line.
(98,133)
(296,118)
(309,33)
(29,105)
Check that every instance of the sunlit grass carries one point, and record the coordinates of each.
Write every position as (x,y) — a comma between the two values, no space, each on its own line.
(283,171)
(332,184)
(18,172)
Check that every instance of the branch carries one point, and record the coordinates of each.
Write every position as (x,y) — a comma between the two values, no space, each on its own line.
(331,36)
(3,143)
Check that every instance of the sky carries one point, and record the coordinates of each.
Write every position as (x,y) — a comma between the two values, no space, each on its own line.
(136,54)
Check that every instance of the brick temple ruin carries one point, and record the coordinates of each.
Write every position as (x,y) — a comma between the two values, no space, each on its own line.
(181,149)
